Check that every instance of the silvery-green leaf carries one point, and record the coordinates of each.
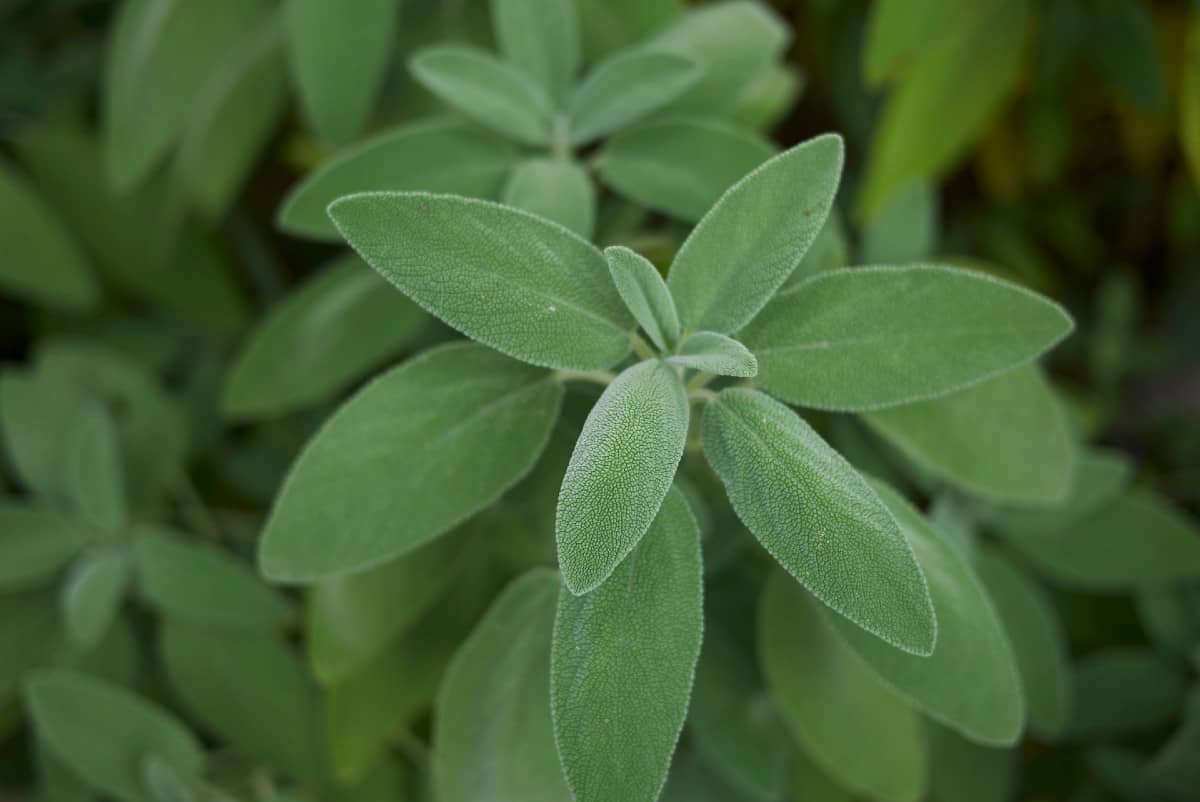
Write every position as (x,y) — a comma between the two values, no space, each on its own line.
(905,229)
(960,770)
(606,26)
(1136,539)
(542,38)
(487,90)
(511,280)
(103,732)
(95,479)
(1006,439)
(93,593)
(620,471)
(715,353)
(680,166)
(768,97)
(843,717)
(431,156)
(35,543)
(626,87)
(317,340)
(818,517)
(645,294)
(339,56)
(867,338)
(971,681)
(623,661)
(754,237)
(829,251)
(493,736)
(1100,475)
(556,189)
(42,261)
(1123,690)
(402,462)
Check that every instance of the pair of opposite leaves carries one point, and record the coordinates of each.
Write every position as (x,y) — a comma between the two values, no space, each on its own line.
(850,340)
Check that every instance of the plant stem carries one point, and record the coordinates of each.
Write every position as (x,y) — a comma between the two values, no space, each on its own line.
(702,394)
(641,347)
(700,381)
(604,377)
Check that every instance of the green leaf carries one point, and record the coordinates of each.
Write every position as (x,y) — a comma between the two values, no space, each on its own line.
(163,783)
(36,409)
(103,732)
(1006,440)
(850,723)
(93,594)
(1170,616)
(196,582)
(962,770)
(620,471)
(511,280)
(1100,475)
(1189,98)
(339,58)
(732,721)
(609,25)
(1122,691)
(556,189)
(693,780)
(35,543)
(715,353)
(42,263)
(905,230)
(625,88)
(680,166)
(487,90)
(95,477)
(30,635)
(162,54)
(318,340)
(754,237)
(493,736)
(249,690)
(1124,44)
(623,661)
(768,98)
(867,338)
(432,156)
(399,463)
(645,295)
(818,517)
(542,38)
(1136,539)
(1037,638)
(829,251)
(1174,768)
(900,30)
(970,682)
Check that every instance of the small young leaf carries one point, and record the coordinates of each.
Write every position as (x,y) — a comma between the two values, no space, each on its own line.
(622,664)
(493,736)
(645,295)
(317,340)
(755,236)
(1006,439)
(339,57)
(620,471)
(625,88)
(92,595)
(400,462)
(680,166)
(486,89)
(867,338)
(970,682)
(715,353)
(35,543)
(839,712)
(1122,691)
(434,156)
(511,280)
(556,189)
(95,476)
(818,517)
(542,38)
(103,732)
(1100,476)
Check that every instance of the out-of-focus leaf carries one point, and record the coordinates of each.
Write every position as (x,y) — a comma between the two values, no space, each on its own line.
(625,88)
(1170,615)
(556,189)
(542,38)
(93,593)
(1099,476)
(905,230)
(899,31)
(29,635)
(768,97)
(1189,98)
(810,784)
(1174,769)
(960,770)
(693,780)
(35,543)
(829,251)
(1123,690)
(609,25)
(95,477)
(1124,44)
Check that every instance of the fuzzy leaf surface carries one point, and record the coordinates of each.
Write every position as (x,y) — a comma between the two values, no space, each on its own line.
(645,294)
(715,353)
(556,189)
(626,87)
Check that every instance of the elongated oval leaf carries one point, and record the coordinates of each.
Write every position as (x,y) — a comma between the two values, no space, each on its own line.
(715,353)
(494,738)
(433,156)
(645,294)
(625,88)
(620,471)
(818,517)
(400,462)
(970,682)
(848,721)
(511,280)
(876,337)
(92,595)
(754,237)
(680,166)
(35,543)
(339,54)
(318,339)
(556,189)
(542,38)
(1006,439)
(623,661)
(95,476)
(1100,476)
(103,732)
(487,90)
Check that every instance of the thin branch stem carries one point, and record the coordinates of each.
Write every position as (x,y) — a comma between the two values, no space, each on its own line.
(700,381)
(702,394)
(641,347)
